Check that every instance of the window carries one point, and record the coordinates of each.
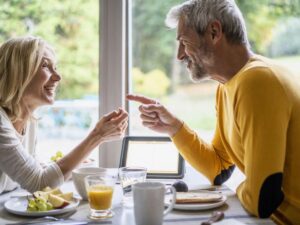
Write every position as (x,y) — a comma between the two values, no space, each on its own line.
(157,73)
(138,53)
(65,25)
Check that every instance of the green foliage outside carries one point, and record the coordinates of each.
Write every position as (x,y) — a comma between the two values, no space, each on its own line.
(286,40)
(153,84)
(71,27)
(262,17)
(154,44)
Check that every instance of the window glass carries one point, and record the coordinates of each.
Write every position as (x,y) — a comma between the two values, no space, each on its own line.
(158,74)
(273,30)
(65,25)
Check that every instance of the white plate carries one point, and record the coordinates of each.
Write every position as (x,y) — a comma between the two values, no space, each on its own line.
(202,206)
(19,205)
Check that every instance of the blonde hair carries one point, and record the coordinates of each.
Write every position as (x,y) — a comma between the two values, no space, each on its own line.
(19,61)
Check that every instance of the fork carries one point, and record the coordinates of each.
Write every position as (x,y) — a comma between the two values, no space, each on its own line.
(215,217)
(38,220)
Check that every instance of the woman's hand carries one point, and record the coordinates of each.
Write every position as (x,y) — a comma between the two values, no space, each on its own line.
(155,116)
(111,126)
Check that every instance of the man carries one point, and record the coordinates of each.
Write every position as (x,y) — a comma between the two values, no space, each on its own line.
(258,111)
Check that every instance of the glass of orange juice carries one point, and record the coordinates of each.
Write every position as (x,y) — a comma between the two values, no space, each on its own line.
(100,190)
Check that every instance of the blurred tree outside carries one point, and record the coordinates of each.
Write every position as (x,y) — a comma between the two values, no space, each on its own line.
(273,29)
(154,43)
(71,27)
(154,84)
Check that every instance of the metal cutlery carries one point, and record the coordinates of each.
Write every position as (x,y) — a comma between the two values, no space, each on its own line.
(49,220)
(215,217)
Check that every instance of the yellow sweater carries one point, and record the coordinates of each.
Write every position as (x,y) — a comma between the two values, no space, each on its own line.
(258,130)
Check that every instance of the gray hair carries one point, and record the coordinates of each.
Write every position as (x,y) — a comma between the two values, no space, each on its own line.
(197,14)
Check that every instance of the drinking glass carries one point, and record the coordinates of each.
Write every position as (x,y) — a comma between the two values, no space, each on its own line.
(100,190)
(129,176)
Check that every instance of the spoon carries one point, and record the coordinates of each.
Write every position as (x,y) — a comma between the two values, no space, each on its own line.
(215,217)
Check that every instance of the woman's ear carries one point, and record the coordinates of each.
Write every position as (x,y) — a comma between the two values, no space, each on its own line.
(215,31)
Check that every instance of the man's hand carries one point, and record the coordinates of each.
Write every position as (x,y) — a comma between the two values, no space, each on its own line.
(155,116)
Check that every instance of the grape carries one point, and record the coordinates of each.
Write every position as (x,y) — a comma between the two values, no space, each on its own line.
(53,158)
(41,206)
(49,206)
(32,205)
(31,202)
(38,204)
(59,154)
(32,209)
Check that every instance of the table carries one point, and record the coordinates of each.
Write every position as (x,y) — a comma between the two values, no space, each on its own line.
(124,216)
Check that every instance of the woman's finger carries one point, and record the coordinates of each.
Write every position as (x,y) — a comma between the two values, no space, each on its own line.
(124,127)
(110,115)
(119,119)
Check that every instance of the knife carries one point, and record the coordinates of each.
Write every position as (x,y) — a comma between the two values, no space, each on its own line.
(64,222)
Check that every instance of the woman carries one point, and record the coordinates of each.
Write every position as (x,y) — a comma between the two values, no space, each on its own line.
(28,80)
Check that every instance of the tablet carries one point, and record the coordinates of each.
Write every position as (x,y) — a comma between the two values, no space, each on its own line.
(158,154)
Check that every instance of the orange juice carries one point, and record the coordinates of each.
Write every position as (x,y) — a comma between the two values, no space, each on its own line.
(100,197)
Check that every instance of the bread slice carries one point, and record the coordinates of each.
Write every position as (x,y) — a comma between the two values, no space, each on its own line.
(197,197)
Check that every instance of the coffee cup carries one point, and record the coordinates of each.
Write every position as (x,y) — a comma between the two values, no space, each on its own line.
(149,202)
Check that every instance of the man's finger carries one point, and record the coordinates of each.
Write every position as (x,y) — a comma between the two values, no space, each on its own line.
(151,108)
(149,119)
(141,99)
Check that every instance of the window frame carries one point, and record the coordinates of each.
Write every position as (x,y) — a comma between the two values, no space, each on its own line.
(114,61)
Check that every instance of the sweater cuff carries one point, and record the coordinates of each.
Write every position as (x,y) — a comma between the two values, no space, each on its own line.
(57,178)
(182,135)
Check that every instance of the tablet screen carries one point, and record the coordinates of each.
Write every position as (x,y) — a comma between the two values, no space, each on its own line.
(158,154)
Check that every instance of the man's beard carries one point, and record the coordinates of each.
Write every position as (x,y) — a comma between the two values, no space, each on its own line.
(197,72)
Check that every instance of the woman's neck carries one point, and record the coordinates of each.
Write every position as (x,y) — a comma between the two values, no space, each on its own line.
(21,123)
(20,126)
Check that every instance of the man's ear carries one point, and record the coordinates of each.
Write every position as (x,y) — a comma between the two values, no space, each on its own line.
(215,31)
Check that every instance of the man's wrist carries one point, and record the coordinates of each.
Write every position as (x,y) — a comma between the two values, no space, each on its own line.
(175,127)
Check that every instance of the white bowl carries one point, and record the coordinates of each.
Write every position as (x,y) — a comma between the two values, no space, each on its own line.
(78,176)
(88,163)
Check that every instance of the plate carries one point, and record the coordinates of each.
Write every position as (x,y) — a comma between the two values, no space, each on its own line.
(18,206)
(202,206)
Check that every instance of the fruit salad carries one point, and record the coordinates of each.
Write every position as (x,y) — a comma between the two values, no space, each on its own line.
(48,199)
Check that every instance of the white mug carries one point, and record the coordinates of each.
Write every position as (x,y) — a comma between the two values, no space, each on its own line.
(149,202)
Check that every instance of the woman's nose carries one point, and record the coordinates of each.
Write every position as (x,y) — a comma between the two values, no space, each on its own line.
(56,76)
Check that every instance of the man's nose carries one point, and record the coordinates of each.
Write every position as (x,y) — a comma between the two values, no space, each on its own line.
(181,52)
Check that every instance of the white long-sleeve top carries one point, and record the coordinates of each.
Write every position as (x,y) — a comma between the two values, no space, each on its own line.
(17,163)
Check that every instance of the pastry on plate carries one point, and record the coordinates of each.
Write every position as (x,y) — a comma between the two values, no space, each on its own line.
(197,197)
